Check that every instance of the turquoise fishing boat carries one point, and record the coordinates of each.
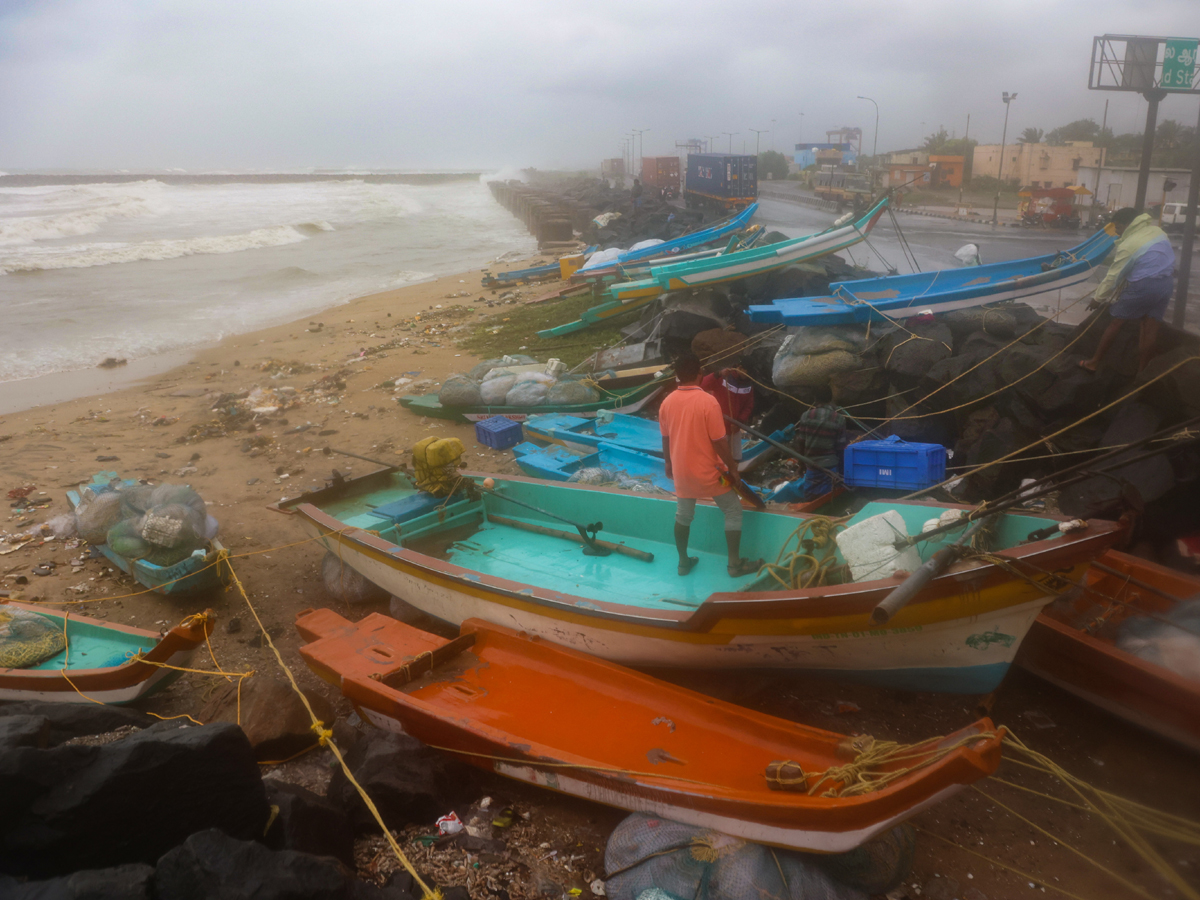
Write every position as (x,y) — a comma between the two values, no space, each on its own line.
(627,399)
(596,569)
(898,296)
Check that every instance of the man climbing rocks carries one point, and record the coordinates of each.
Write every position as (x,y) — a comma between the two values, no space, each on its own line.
(1140,280)
(696,450)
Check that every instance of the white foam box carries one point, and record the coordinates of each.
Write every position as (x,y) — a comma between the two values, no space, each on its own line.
(870,547)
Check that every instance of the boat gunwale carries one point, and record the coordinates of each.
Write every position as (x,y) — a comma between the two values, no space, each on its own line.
(637,394)
(833,601)
(186,636)
(360,689)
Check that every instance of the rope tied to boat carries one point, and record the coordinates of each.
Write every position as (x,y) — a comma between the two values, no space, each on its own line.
(813,559)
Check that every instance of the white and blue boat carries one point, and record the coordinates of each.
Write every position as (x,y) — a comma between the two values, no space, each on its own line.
(898,296)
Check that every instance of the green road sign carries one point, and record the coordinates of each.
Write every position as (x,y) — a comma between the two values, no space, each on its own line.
(1179,64)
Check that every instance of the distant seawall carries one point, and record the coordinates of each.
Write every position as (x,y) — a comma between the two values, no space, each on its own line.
(281,178)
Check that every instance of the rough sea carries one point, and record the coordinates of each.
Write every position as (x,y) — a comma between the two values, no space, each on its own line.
(90,271)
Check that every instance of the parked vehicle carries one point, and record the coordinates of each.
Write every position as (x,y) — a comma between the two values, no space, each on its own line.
(1049,208)
(661,174)
(842,186)
(721,181)
(1173,216)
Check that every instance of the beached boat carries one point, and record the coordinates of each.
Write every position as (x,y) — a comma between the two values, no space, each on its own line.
(898,296)
(513,277)
(1074,644)
(104,662)
(518,706)
(599,267)
(626,398)
(632,432)
(202,572)
(488,556)
(720,268)
(557,463)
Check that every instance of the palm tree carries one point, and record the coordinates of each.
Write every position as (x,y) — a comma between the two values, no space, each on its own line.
(1031,136)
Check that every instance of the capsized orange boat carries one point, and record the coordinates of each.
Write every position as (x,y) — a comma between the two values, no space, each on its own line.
(1074,644)
(540,713)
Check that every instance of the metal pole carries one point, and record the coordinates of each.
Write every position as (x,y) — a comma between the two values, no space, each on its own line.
(1100,167)
(1152,97)
(962,179)
(758,133)
(1189,238)
(874,141)
(1008,98)
(800,136)
(731,134)
(772,134)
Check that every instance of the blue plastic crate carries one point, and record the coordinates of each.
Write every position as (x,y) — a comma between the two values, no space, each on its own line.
(498,432)
(894,463)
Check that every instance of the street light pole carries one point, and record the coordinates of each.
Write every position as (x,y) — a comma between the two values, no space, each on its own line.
(1008,98)
(758,133)
(772,134)
(874,141)
(730,134)
(708,139)
(639,132)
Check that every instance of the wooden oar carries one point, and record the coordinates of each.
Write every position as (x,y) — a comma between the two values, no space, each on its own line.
(567,535)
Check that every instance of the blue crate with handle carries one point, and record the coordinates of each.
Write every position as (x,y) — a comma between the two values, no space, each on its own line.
(893,463)
(498,432)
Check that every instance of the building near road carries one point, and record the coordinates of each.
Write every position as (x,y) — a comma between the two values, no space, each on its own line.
(1037,165)
(824,155)
(947,170)
(1116,186)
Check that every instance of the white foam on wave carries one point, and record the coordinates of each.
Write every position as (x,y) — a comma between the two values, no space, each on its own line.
(82,256)
(74,211)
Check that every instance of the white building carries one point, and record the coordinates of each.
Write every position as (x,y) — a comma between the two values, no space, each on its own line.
(1117,186)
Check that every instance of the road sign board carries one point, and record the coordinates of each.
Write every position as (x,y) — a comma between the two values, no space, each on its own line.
(1179,64)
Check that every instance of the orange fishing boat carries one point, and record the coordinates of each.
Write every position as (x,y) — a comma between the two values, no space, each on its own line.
(537,712)
(1074,644)
(102,661)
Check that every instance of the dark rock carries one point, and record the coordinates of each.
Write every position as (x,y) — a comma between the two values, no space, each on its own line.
(270,712)
(912,355)
(1073,392)
(1176,395)
(922,423)
(408,782)
(307,822)
(996,441)
(80,807)
(1151,478)
(212,864)
(24,731)
(129,882)
(68,720)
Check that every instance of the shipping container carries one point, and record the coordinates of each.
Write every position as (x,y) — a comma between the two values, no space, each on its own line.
(661,173)
(612,168)
(728,182)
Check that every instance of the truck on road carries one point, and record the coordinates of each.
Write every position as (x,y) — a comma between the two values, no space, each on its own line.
(719,181)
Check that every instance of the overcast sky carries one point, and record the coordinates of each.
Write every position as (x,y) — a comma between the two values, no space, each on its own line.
(272,85)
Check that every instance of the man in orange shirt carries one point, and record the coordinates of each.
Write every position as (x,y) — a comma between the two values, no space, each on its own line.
(696,450)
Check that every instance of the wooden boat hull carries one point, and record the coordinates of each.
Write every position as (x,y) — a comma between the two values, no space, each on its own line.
(882,299)
(627,400)
(960,635)
(1118,682)
(118,679)
(564,720)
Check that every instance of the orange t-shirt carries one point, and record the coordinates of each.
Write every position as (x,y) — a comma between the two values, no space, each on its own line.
(691,419)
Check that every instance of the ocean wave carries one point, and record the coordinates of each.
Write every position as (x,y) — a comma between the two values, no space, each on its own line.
(82,256)
(76,211)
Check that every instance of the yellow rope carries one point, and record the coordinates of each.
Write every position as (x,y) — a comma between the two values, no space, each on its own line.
(823,530)
(1033,879)
(325,739)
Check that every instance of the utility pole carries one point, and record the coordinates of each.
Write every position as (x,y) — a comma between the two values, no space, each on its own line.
(1153,95)
(1189,238)
(874,141)
(800,136)
(1008,98)
(730,134)
(639,132)
(708,139)
(966,149)
(758,133)
(772,134)
(1100,167)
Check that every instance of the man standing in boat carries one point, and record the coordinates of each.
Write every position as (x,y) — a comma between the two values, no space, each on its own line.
(696,450)
(1140,281)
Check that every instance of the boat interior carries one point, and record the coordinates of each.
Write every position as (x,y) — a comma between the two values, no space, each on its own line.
(91,646)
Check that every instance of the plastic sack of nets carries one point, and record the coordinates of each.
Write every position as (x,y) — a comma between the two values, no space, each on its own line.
(167,556)
(27,638)
(811,370)
(165,494)
(135,499)
(530,389)
(174,526)
(479,372)
(571,392)
(1169,641)
(496,388)
(654,858)
(95,515)
(606,477)
(125,539)
(345,584)
(460,390)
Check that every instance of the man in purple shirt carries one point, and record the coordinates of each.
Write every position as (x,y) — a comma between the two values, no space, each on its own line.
(1140,279)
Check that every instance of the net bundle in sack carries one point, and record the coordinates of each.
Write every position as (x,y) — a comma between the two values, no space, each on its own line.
(649,858)
(27,638)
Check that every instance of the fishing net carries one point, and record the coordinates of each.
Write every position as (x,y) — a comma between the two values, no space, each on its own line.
(174,526)
(165,494)
(654,859)
(27,638)
(876,867)
(529,392)
(167,556)
(1169,641)
(812,370)
(96,514)
(459,390)
(345,584)
(614,478)
(496,388)
(571,393)
(479,372)
(125,539)
(135,499)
